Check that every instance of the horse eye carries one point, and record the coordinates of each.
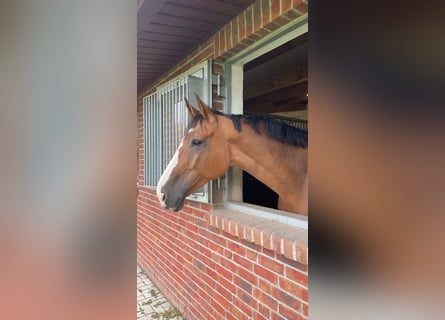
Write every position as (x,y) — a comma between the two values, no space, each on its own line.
(196,142)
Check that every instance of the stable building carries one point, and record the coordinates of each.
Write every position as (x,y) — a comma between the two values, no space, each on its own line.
(229,253)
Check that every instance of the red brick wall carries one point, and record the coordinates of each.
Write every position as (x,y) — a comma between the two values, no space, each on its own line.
(209,273)
(213,266)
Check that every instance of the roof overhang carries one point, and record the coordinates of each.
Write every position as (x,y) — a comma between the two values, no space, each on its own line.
(168,30)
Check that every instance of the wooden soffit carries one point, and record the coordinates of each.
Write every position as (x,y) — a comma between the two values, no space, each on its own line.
(168,30)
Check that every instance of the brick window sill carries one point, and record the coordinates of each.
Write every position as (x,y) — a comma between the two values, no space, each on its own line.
(288,240)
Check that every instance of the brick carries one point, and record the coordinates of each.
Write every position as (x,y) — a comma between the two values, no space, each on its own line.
(301,253)
(199,213)
(271,264)
(194,312)
(219,240)
(225,224)
(217,306)
(292,263)
(228,35)
(243,306)
(218,68)
(243,262)
(275,9)
(267,243)
(236,247)
(218,316)
(236,313)
(258,316)
(249,21)
(275,316)
(305,310)
(296,276)
(227,284)
(216,223)
(281,21)
(265,7)
(221,300)
(246,286)
(299,5)
(257,19)
(234,24)
(263,310)
(199,265)
(288,249)
(266,274)
(240,230)
(276,243)
(187,209)
(209,281)
(248,233)
(232,224)
(222,42)
(292,14)
(223,272)
(256,236)
(255,37)
(217,45)
(248,276)
(230,316)
(246,41)
(265,299)
(294,289)
(290,314)
(272,26)
(223,57)
(269,253)
(218,106)
(231,52)
(285,5)
(229,264)
(265,286)
(287,299)
(251,255)
(223,292)
(241,25)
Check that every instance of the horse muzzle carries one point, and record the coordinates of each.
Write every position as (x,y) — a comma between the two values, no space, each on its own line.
(172,199)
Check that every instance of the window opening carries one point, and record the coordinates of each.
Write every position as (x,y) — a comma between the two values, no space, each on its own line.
(165,121)
(276,84)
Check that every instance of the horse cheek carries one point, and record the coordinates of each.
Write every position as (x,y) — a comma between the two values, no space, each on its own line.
(218,164)
(192,159)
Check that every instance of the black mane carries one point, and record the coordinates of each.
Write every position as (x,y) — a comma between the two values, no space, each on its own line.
(274,128)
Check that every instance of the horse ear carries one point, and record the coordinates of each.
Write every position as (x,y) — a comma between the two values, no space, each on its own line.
(204,109)
(192,111)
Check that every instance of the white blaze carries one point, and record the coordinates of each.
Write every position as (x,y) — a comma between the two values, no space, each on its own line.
(166,175)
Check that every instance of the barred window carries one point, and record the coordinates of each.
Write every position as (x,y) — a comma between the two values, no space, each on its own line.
(165,120)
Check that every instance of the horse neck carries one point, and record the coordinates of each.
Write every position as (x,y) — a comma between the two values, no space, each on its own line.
(275,164)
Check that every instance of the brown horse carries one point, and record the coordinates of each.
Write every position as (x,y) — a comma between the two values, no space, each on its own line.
(271,151)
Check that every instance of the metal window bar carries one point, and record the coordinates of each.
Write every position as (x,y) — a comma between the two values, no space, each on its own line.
(152,149)
(175,118)
(165,121)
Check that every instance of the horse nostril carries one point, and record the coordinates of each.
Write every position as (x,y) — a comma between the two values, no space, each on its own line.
(163,197)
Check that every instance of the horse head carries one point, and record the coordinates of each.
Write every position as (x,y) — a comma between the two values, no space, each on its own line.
(201,156)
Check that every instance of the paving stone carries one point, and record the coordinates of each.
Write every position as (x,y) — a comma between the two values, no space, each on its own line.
(151,303)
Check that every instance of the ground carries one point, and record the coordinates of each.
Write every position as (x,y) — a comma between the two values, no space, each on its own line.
(151,304)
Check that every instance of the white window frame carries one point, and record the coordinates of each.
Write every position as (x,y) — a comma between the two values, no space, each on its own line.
(152,114)
(234,104)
